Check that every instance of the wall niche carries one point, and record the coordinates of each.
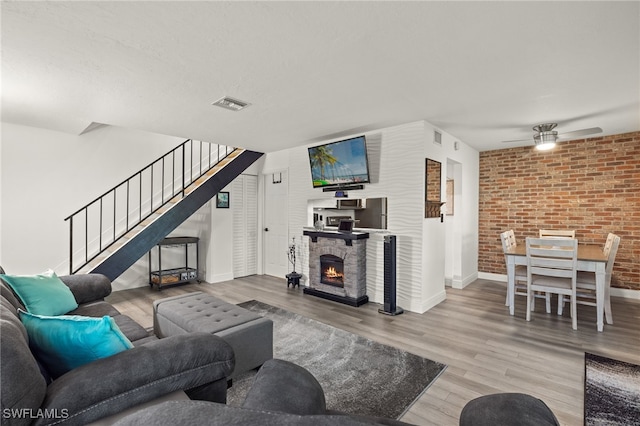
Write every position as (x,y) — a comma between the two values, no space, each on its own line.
(433,176)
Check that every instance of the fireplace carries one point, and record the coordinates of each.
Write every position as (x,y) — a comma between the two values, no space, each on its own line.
(337,266)
(331,270)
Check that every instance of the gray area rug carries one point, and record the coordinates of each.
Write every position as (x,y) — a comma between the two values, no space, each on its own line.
(611,392)
(358,375)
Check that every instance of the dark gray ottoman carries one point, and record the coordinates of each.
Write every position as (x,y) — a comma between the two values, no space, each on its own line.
(507,409)
(249,334)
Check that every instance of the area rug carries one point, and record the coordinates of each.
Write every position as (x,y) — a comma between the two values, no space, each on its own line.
(611,392)
(358,375)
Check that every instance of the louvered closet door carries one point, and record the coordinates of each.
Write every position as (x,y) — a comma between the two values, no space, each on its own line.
(244,203)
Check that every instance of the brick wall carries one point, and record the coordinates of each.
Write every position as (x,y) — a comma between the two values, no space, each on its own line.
(590,185)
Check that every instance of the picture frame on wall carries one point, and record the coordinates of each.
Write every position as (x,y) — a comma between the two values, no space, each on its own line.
(222,200)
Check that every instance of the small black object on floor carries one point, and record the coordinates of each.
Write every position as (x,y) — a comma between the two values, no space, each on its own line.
(293,279)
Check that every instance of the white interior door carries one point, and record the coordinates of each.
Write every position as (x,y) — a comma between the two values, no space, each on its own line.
(245,225)
(276,235)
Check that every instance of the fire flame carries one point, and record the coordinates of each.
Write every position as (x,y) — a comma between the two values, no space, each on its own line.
(332,273)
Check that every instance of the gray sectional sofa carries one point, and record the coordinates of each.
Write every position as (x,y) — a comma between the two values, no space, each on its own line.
(197,363)
(126,387)
(285,394)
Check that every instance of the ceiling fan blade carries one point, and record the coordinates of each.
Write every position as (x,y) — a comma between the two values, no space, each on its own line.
(519,140)
(578,133)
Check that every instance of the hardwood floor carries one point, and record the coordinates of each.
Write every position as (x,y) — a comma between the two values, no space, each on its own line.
(486,350)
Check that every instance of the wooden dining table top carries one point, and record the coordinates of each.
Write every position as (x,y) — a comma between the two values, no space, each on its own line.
(589,252)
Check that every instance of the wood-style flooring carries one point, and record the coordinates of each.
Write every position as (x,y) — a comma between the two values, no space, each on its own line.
(486,350)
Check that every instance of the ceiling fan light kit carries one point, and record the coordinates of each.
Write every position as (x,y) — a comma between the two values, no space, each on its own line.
(545,140)
(546,137)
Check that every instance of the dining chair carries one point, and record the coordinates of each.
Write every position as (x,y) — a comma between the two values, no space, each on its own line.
(586,281)
(509,242)
(555,233)
(553,269)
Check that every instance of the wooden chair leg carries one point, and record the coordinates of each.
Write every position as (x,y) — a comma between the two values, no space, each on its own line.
(607,308)
(560,304)
(547,299)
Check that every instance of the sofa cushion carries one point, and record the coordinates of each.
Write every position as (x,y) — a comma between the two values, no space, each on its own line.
(23,387)
(95,309)
(507,409)
(10,298)
(285,387)
(87,287)
(42,294)
(130,328)
(66,342)
(199,413)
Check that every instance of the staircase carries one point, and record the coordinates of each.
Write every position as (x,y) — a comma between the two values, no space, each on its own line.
(115,230)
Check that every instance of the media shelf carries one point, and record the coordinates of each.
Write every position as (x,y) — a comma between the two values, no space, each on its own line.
(174,276)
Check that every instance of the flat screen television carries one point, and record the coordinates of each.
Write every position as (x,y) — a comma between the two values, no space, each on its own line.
(339,163)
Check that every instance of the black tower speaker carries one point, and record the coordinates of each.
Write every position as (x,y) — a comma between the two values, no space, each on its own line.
(390,307)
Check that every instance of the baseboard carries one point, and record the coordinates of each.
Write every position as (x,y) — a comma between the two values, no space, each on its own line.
(492,277)
(433,301)
(625,293)
(218,278)
(459,283)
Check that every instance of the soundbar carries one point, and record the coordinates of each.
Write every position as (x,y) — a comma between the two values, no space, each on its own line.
(342,188)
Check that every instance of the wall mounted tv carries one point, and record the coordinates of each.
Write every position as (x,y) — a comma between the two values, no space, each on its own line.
(339,164)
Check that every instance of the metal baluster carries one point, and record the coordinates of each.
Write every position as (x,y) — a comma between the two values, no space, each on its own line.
(127,210)
(173,173)
(114,216)
(140,199)
(71,244)
(151,197)
(86,234)
(162,181)
(100,227)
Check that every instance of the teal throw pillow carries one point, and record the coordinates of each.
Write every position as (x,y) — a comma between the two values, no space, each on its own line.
(66,342)
(43,294)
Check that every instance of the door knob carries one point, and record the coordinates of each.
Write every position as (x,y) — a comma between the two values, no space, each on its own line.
(266,229)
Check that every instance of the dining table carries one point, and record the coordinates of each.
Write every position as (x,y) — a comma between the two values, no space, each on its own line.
(591,258)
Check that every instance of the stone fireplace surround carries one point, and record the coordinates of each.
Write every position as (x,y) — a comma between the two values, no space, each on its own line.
(352,248)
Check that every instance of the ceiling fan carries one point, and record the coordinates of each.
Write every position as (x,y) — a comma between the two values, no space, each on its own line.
(545,137)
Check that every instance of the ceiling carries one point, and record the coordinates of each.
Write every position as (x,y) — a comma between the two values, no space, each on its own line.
(482,71)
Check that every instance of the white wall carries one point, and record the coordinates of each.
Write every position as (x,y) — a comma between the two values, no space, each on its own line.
(197,225)
(47,175)
(397,167)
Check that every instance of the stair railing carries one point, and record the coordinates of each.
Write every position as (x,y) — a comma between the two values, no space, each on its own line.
(101,223)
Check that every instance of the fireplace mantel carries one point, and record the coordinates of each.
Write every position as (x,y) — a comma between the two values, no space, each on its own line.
(348,237)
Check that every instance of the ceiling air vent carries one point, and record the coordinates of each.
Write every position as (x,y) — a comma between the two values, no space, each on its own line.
(437,137)
(231,103)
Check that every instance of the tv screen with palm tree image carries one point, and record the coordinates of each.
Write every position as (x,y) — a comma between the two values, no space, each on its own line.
(339,163)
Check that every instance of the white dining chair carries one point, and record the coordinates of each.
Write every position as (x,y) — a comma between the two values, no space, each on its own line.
(508,239)
(552,268)
(520,279)
(557,233)
(586,281)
